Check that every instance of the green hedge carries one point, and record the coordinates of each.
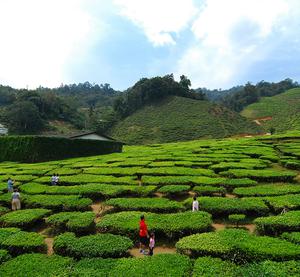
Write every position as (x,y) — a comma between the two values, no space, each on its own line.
(173,171)
(4,256)
(115,171)
(168,225)
(77,222)
(208,190)
(145,204)
(292,237)
(220,206)
(24,242)
(237,165)
(35,149)
(289,221)
(23,218)
(268,189)
(99,245)
(268,175)
(291,201)
(174,189)
(158,265)
(238,245)
(36,265)
(88,190)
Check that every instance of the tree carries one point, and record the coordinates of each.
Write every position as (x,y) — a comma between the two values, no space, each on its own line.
(24,118)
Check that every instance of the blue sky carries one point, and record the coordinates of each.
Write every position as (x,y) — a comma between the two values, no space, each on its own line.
(216,43)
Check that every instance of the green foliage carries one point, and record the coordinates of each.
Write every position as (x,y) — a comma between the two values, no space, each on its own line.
(4,256)
(238,165)
(238,245)
(267,175)
(145,204)
(180,119)
(23,218)
(236,218)
(289,221)
(34,148)
(36,265)
(218,206)
(268,189)
(78,222)
(170,225)
(292,237)
(291,201)
(174,189)
(208,190)
(99,245)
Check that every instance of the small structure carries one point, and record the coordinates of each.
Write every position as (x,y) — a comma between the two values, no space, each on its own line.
(3,130)
(92,135)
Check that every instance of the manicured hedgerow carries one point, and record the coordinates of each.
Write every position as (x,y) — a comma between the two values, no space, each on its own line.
(36,265)
(220,206)
(4,256)
(3,210)
(23,218)
(291,201)
(169,225)
(289,221)
(99,245)
(145,204)
(237,165)
(174,189)
(292,237)
(268,175)
(238,244)
(173,171)
(208,190)
(78,222)
(88,190)
(24,242)
(114,171)
(268,189)
(158,265)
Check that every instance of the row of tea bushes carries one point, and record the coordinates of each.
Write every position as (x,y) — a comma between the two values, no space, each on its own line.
(78,222)
(88,190)
(268,189)
(291,201)
(237,165)
(209,266)
(23,218)
(238,245)
(220,206)
(99,245)
(170,190)
(18,242)
(159,205)
(267,175)
(167,225)
(273,225)
(42,265)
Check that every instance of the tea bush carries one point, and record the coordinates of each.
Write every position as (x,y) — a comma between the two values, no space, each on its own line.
(174,189)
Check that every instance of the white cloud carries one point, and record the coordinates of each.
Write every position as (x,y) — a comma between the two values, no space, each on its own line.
(39,39)
(230,36)
(158,19)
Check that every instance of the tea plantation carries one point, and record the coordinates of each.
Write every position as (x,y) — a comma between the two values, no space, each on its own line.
(248,223)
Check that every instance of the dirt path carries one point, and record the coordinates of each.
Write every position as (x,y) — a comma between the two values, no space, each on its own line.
(229,195)
(259,120)
(99,210)
(222,226)
(49,243)
(135,252)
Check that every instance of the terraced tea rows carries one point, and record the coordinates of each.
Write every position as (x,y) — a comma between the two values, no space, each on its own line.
(92,214)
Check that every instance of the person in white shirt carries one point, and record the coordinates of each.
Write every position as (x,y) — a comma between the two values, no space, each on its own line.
(15,201)
(195,205)
(53,178)
(56,180)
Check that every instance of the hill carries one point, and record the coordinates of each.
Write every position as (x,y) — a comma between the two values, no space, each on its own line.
(178,119)
(281,112)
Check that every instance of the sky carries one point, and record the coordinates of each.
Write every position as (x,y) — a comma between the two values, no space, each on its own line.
(215,43)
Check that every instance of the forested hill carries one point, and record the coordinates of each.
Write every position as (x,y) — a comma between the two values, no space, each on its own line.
(178,119)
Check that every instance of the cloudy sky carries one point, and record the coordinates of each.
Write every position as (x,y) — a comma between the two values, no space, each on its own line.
(216,43)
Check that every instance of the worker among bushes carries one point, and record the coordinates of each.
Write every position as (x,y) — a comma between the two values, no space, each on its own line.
(10,184)
(16,200)
(143,233)
(195,206)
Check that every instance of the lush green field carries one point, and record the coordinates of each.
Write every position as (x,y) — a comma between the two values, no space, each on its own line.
(283,110)
(179,119)
(87,225)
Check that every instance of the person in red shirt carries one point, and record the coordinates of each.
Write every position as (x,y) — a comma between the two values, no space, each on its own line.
(143,233)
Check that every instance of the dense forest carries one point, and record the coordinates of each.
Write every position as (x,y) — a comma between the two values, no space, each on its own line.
(87,106)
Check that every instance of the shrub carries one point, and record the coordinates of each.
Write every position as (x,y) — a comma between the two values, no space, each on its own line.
(4,256)
(291,201)
(292,237)
(209,190)
(114,171)
(23,218)
(99,245)
(236,218)
(238,244)
(219,206)
(169,225)
(6,232)
(268,175)
(238,165)
(78,222)
(24,242)
(173,171)
(174,189)
(36,265)
(35,148)
(268,189)
(289,221)
(3,210)
(145,204)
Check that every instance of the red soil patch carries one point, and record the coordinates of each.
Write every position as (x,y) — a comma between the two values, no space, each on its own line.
(222,226)
(49,243)
(228,195)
